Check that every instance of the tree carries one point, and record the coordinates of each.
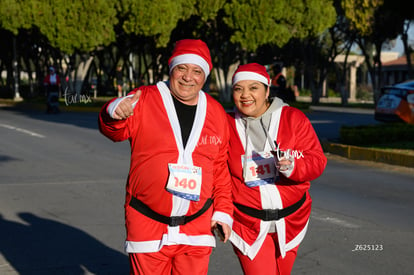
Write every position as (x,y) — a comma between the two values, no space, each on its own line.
(60,27)
(373,23)
(75,25)
(75,28)
(207,23)
(403,10)
(152,18)
(257,23)
(14,16)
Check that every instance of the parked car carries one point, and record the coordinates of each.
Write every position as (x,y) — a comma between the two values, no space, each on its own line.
(396,103)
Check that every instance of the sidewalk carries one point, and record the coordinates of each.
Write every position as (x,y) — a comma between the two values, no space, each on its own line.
(362,153)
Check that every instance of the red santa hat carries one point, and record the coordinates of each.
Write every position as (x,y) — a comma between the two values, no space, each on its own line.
(251,71)
(191,51)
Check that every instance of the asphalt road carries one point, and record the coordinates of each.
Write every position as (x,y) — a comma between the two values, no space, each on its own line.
(62,194)
(327,121)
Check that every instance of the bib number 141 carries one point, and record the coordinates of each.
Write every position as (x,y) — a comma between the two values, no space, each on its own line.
(260,170)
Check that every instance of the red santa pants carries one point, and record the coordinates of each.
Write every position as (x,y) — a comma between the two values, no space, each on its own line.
(268,260)
(173,259)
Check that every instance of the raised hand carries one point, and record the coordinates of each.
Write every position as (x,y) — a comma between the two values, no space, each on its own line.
(125,108)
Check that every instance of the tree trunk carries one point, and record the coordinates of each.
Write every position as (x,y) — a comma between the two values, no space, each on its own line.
(407,50)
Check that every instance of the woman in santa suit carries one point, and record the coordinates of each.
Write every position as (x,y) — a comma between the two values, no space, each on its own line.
(274,154)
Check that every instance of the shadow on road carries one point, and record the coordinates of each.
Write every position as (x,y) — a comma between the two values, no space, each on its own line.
(44,246)
(4,158)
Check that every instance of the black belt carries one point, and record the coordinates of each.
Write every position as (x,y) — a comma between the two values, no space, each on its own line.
(271,214)
(171,221)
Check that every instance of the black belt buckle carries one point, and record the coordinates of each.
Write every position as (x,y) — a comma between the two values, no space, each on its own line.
(271,214)
(177,220)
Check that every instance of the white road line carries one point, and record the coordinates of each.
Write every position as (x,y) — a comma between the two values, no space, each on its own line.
(28,132)
(335,221)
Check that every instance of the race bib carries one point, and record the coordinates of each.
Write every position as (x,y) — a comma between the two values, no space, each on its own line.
(184,181)
(260,169)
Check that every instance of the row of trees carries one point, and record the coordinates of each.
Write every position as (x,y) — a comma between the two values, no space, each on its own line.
(89,39)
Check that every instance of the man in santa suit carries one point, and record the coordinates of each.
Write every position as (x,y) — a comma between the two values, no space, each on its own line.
(274,154)
(52,80)
(179,187)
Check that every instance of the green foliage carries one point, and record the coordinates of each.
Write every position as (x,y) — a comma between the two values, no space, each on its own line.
(318,16)
(333,93)
(84,25)
(208,9)
(75,25)
(14,15)
(158,18)
(259,22)
(153,18)
(305,92)
(253,23)
(235,31)
(68,25)
(374,135)
(361,14)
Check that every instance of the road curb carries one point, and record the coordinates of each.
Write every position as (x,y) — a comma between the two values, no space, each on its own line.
(361,153)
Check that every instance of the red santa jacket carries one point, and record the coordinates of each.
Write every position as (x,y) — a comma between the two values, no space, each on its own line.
(51,80)
(291,130)
(154,134)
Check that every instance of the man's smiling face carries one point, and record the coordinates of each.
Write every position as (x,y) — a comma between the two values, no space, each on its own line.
(186,80)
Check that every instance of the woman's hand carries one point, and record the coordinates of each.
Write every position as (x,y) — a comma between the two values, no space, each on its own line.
(283,164)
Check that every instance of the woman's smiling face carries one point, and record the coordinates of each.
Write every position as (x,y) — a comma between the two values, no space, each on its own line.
(250,97)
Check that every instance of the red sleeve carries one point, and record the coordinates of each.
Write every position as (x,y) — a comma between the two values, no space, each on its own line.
(310,160)
(120,130)
(115,130)
(222,193)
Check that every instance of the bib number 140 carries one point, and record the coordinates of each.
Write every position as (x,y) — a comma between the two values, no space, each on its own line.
(184,181)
